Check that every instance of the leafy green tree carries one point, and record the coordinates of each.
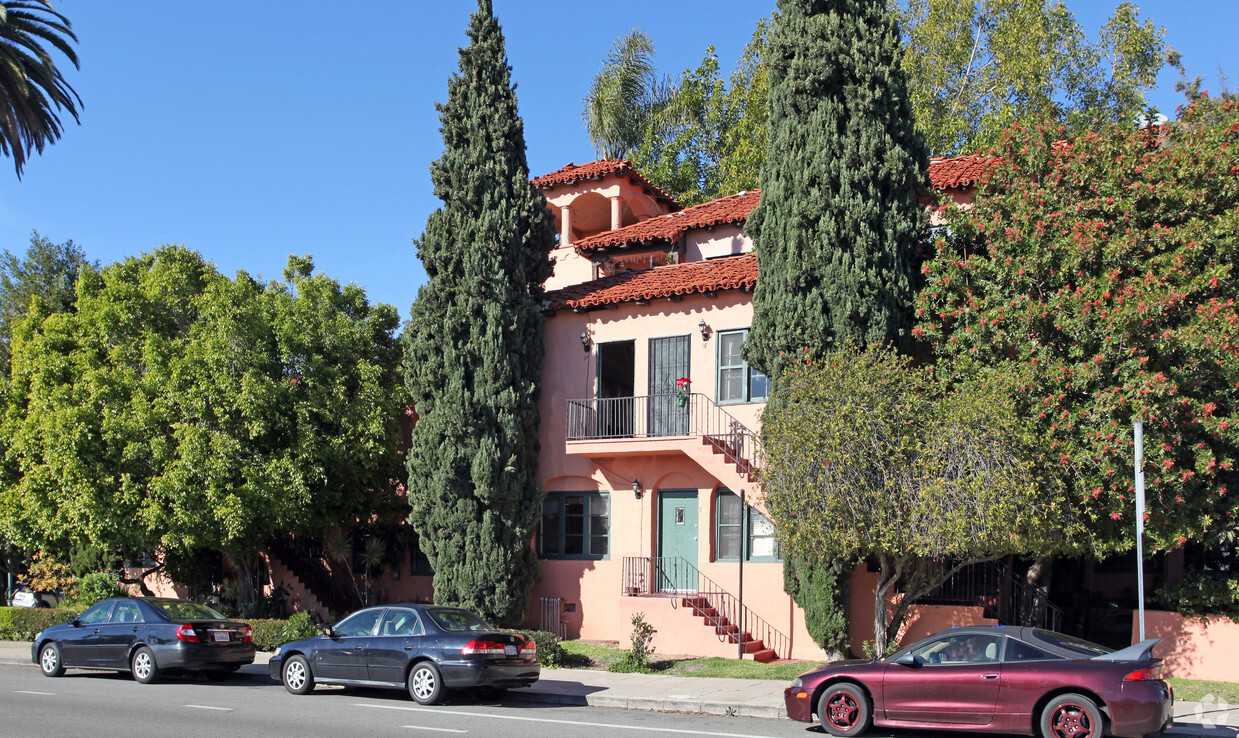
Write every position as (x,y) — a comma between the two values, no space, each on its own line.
(1100,278)
(47,271)
(178,410)
(976,68)
(32,89)
(474,344)
(972,69)
(869,457)
(711,137)
(625,98)
(838,216)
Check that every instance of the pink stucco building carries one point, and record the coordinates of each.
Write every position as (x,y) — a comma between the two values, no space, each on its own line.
(650,418)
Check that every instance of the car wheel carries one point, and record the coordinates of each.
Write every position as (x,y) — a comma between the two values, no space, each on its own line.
(844,710)
(143,666)
(425,683)
(49,660)
(297,677)
(1072,716)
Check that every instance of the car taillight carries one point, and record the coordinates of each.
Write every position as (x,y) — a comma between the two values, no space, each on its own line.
(529,649)
(482,648)
(186,633)
(249,635)
(1142,675)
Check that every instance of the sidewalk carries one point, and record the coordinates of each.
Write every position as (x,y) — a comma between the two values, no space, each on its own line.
(737,697)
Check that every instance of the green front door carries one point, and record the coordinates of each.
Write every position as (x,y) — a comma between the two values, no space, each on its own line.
(677,541)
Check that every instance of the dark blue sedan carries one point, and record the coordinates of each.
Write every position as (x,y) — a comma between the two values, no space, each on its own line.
(146,636)
(425,649)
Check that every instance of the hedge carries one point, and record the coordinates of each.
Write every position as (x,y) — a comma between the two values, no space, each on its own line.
(24,623)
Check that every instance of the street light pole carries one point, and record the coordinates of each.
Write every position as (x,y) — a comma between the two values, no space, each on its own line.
(1139,443)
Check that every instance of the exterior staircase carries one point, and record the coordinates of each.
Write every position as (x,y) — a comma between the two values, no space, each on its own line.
(306,562)
(727,630)
(719,610)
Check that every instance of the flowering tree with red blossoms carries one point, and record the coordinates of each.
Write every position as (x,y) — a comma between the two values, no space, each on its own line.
(1099,275)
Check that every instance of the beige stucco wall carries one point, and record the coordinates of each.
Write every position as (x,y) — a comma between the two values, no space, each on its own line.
(1192,648)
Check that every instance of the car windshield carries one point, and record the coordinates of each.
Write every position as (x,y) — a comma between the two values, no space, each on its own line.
(1085,648)
(457,621)
(183,610)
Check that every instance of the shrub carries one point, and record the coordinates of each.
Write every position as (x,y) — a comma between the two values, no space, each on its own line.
(300,625)
(267,633)
(95,587)
(1201,593)
(637,658)
(550,653)
(24,623)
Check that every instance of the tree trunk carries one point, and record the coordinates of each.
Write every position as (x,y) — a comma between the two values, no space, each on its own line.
(1039,575)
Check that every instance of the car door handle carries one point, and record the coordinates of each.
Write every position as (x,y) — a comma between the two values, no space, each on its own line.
(989,676)
(97,630)
(409,647)
(135,630)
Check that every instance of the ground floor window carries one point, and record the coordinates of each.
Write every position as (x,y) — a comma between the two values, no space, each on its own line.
(740,530)
(574,525)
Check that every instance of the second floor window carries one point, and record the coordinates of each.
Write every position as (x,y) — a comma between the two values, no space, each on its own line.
(574,525)
(737,381)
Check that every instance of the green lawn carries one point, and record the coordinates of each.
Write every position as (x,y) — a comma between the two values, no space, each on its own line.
(1196,690)
(594,655)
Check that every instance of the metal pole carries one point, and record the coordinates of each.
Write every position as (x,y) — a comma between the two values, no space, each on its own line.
(1139,443)
(744,526)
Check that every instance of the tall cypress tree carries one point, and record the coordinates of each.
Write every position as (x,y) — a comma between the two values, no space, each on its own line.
(838,217)
(474,343)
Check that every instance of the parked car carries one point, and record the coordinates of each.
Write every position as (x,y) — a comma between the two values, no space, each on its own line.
(23,596)
(146,636)
(993,679)
(426,649)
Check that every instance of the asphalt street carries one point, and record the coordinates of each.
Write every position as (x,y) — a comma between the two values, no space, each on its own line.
(100,703)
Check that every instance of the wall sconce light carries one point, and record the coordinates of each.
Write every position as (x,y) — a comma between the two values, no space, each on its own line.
(636,489)
(705,330)
(585,341)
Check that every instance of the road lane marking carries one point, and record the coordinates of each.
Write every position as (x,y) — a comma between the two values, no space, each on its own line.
(208,707)
(27,691)
(643,728)
(437,730)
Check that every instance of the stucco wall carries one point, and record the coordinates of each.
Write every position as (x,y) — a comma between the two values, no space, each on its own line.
(1192,648)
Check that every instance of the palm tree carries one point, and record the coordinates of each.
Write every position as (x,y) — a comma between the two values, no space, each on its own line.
(625,95)
(32,90)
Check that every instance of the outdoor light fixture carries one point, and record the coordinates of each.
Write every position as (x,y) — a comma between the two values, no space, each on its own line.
(705,329)
(636,489)
(585,341)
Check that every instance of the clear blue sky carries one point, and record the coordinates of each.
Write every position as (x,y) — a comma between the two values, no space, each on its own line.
(301,126)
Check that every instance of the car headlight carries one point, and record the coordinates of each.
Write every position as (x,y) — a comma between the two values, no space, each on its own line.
(796,683)
(276,652)
(38,635)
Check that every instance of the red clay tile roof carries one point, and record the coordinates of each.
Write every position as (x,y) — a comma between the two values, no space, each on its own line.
(725,210)
(599,169)
(694,277)
(960,171)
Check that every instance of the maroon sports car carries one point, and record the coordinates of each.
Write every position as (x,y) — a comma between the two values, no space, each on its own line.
(995,679)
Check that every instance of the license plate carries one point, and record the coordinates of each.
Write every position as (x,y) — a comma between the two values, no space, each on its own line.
(220,635)
(509,650)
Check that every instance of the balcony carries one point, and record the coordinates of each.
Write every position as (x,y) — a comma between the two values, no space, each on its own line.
(660,425)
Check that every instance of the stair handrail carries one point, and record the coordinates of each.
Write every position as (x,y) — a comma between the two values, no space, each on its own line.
(305,558)
(1011,599)
(642,574)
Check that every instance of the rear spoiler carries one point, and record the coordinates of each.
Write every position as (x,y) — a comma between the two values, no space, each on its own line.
(1142,651)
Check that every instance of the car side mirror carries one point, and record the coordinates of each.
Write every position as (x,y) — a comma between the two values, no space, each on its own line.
(908,659)
(327,631)
(71,620)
